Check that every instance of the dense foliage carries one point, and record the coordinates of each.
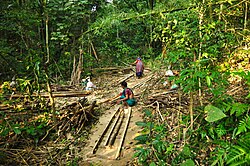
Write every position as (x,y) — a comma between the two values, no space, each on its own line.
(207,41)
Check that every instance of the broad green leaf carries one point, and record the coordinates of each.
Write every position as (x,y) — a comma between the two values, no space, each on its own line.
(188,162)
(213,113)
(186,151)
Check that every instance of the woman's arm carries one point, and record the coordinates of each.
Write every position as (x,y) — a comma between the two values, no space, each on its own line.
(126,98)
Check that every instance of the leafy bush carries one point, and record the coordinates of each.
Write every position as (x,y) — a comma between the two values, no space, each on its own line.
(34,129)
(153,147)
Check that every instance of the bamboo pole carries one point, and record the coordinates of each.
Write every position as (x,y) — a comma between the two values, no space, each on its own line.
(104,131)
(53,94)
(123,134)
(93,48)
(47,38)
(112,129)
(112,141)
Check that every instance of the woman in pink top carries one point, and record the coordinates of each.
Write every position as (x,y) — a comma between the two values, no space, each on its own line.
(139,67)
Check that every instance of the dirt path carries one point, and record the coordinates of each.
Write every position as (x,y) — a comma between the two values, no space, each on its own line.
(107,157)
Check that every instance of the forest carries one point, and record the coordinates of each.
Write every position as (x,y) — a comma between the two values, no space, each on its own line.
(49,47)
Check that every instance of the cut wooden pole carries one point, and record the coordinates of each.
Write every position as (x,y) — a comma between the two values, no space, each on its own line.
(124,79)
(112,129)
(164,93)
(54,94)
(104,131)
(143,82)
(123,134)
(112,141)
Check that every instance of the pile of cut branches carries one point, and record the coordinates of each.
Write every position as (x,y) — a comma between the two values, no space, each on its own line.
(30,134)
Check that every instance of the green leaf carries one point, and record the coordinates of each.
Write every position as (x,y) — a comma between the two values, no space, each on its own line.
(17,130)
(186,151)
(5,132)
(244,124)
(208,81)
(31,131)
(142,139)
(142,124)
(213,113)
(188,162)
(148,113)
(152,164)
(211,132)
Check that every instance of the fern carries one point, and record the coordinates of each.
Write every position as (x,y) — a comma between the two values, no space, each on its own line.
(239,109)
(239,154)
(243,125)
(219,154)
(220,130)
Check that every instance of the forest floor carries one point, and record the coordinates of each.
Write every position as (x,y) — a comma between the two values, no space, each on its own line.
(71,138)
(67,142)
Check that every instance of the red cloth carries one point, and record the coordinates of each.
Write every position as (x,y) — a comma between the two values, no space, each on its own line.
(125,92)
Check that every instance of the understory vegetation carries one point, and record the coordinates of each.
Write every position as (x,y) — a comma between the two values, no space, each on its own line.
(48,45)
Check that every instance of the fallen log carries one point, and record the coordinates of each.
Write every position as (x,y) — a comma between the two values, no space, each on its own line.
(164,93)
(142,83)
(54,94)
(124,79)
(113,70)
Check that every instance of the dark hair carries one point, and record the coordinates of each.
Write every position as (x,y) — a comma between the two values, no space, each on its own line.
(124,84)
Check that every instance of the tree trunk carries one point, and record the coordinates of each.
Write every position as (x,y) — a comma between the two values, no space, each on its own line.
(245,20)
(46,70)
(201,15)
(76,72)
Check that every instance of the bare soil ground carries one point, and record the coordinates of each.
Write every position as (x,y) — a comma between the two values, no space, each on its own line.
(107,157)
